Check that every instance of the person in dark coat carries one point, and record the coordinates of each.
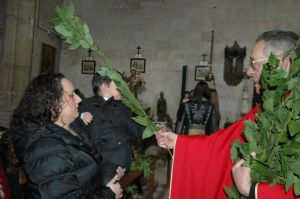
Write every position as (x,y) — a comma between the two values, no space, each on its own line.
(109,124)
(58,159)
(198,115)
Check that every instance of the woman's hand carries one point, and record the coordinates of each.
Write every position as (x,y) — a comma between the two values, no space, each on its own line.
(115,187)
(166,139)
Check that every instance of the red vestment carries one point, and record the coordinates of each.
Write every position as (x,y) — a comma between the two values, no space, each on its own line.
(202,165)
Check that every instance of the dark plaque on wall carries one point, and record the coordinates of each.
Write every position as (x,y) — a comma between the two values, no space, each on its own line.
(234,64)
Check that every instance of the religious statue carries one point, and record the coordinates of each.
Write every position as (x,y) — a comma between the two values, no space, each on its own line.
(134,81)
(161,108)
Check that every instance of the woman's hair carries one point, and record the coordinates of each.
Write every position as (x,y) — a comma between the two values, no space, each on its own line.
(214,100)
(201,90)
(98,80)
(41,99)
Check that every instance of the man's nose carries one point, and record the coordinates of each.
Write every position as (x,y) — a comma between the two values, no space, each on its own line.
(77,99)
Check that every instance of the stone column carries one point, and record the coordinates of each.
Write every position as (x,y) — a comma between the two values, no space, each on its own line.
(16,64)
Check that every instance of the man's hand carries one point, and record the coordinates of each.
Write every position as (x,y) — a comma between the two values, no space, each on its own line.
(87,118)
(115,187)
(242,179)
(166,139)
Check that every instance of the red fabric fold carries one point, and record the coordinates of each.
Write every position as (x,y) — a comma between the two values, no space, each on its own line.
(264,191)
(202,164)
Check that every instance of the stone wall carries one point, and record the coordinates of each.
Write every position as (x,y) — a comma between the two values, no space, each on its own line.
(173,33)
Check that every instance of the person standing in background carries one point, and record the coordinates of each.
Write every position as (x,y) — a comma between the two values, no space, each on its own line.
(198,114)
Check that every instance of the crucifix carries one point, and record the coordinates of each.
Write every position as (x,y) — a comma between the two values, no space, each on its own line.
(204,55)
(138,48)
(89,57)
(138,55)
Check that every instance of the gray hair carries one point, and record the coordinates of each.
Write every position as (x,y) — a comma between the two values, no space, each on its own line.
(278,41)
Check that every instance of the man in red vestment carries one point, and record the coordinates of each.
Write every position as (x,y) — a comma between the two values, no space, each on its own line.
(202,164)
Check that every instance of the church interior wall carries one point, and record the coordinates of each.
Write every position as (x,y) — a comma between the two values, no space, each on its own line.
(171,33)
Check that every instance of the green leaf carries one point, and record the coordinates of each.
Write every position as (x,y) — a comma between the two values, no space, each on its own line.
(289,181)
(231,193)
(296,105)
(141,120)
(147,132)
(264,76)
(297,188)
(294,127)
(262,168)
(86,29)
(273,60)
(234,151)
(249,136)
(294,167)
(55,21)
(283,162)
(66,12)
(295,67)
(74,46)
(61,29)
(292,83)
(84,44)
(268,105)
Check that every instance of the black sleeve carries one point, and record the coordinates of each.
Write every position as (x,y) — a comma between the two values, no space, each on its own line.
(53,176)
(134,128)
(252,191)
(212,124)
(179,119)
(105,193)
(85,106)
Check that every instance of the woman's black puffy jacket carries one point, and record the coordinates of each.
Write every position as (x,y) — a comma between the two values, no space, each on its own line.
(58,164)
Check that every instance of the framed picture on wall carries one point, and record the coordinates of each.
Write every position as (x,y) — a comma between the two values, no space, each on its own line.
(88,66)
(201,72)
(138,64)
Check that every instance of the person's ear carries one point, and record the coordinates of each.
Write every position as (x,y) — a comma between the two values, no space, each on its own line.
(286,64)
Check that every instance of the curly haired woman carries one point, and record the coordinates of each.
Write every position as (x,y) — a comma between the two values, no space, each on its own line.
(57,158)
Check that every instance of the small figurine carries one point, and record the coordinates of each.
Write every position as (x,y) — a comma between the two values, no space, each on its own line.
(161,108)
